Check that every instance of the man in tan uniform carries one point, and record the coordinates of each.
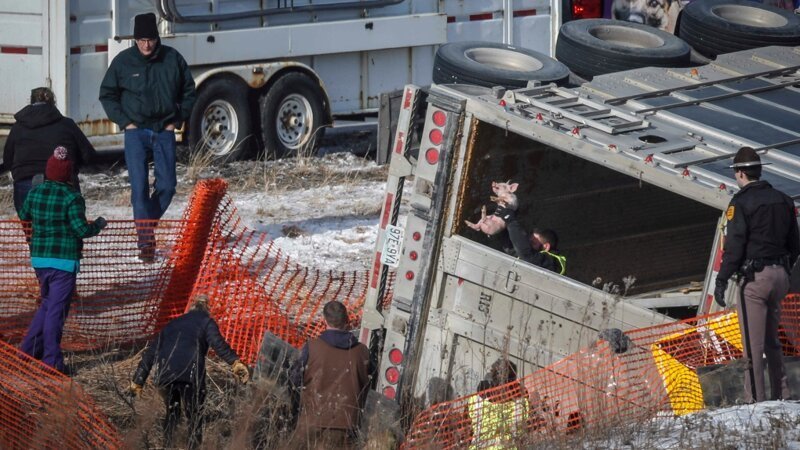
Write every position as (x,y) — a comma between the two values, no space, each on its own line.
(332,378)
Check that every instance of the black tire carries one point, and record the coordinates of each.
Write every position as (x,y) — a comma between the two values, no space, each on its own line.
(592,47)
(714,27)
(294,115)
(491,64)
(221,123)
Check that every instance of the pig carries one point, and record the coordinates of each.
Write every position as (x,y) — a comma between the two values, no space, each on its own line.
(506,200)
(504,194)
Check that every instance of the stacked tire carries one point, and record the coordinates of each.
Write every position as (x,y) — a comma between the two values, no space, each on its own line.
(715,27)
(492,64)
(591,47)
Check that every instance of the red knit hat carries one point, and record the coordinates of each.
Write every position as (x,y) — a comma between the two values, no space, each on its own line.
(59,168)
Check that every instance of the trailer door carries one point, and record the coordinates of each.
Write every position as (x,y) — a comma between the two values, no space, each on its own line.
(32,40)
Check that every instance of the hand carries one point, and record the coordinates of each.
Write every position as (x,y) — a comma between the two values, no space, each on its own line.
(130,126)
(719,292)
(170,127)
(240,371)
(101,222)
(135,389)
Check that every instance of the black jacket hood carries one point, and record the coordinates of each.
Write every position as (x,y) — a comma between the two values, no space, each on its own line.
(38,115)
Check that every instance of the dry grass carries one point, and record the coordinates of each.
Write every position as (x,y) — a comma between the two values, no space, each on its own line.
(255,416)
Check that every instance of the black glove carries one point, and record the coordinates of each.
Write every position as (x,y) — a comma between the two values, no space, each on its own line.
(100,222)
(719,292)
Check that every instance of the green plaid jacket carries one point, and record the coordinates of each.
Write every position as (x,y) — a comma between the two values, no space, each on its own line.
(58,216)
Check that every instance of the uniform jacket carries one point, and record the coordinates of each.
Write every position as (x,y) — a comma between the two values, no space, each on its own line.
(333,371)
(761,224)
(58,215)
(522,246)
(38,130)
(179,351)
(148,92)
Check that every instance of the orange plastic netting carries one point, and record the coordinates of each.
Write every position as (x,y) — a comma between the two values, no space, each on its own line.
(596,389)
(41,408)
(253,288)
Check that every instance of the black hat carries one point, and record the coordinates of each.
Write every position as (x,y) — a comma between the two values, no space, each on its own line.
(746,157)
(145,27)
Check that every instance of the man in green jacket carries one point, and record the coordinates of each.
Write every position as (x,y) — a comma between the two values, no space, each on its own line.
(148,91)
(58,215)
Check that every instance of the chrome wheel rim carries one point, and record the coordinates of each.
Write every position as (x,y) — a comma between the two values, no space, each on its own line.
(220,127)
(293,121)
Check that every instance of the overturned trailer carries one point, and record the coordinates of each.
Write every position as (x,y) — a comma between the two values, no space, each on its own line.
(630,169)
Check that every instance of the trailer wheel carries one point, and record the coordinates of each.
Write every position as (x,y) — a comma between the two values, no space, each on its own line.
(592,47)
(221,123)
(714,27)
(491,64)
(293,116)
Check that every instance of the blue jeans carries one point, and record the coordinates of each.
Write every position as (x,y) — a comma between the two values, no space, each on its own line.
(43,339)
(140,145)
(21,189)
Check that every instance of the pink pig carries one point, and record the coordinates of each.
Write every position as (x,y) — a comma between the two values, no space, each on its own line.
(504,195)
(505,199)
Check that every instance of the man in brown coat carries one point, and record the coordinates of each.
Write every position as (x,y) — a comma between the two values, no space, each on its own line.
(332,379)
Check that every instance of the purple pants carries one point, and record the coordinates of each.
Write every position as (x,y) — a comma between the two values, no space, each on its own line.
(43,340)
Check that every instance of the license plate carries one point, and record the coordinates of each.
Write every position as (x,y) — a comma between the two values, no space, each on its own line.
(392,246)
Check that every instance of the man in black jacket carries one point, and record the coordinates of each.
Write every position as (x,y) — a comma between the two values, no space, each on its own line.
(148,91)
(761,243)
(540,249)
(179,352)
(39,128)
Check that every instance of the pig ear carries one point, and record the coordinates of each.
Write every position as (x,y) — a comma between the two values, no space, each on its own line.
(513,187)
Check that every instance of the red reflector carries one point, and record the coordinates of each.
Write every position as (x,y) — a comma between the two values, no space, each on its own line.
(101,48)
(416,236)
(436,137)
(389,392)
(14,50)
(587,9)
(432,155)
(376,270)
(439,118)
(451,19)
(524,12)
(74,50)
(395,356)
(413,255)
(482,16)
(503,103)
(392,375)
(409,275)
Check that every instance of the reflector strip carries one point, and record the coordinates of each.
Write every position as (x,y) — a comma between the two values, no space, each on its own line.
(407,99)
(398,146)
(387,210)
(21,50)
(525,13)
(82,49)
(481,16)
(376,271)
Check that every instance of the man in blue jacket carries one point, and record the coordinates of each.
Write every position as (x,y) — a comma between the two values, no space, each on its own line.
(148,91)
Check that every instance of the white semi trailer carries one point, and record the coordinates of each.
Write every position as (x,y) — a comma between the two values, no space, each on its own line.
(274,71)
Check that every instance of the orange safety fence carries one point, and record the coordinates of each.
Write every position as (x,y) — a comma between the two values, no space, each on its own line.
(253,288)
(596,389)
(116,297)
(41,408)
